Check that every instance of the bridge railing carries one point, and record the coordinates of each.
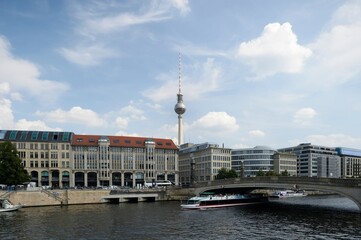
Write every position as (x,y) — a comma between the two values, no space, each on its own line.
(280,179)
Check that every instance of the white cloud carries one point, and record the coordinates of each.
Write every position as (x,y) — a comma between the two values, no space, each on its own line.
(172,128)
(181,5)
(276,50)
(335,140)
(121,123)
(7,118)
(337,52)
(304,116)
(4,88)
(102,17)
(216,122)
(22,75)
(124,133)
(131,112)
(123,20)
(256,133)
(207,80)
(24,124)
(87,56)
(76,115)
(16,96)
(349,13)
(240,146)
(125,116)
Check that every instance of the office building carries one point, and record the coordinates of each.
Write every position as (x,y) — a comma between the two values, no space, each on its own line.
(249,161)
(202,162)
(65,159)
(329,166)
(285,162)
(308,156)
(350,162)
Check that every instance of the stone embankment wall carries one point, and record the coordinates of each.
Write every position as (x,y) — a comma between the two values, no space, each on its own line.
(72,197)
(176,194)
(57,197)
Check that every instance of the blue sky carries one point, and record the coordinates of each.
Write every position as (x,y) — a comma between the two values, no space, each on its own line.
(273,73)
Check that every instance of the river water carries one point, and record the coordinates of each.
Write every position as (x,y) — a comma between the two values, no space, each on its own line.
(321,217)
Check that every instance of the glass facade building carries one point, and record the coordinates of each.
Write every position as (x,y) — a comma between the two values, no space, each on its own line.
(249,161)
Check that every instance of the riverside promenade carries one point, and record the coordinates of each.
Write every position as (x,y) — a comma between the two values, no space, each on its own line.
(41,197)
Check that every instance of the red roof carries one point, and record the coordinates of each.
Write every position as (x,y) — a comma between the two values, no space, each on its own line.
(122,141)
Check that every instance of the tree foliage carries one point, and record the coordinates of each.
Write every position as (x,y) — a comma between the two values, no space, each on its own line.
(224,173)
(11,170)
(285,173)
(261,173)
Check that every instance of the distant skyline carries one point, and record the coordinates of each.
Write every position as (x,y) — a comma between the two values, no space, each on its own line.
(271,73)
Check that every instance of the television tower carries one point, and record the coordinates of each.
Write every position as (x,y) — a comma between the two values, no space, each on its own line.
(180,108)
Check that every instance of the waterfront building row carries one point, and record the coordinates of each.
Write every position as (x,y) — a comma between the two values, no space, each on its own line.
(65,159)
(202,162)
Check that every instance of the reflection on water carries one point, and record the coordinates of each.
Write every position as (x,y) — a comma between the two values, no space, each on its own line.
(327,217)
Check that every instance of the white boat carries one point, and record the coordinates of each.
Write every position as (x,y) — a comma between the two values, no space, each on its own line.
(288,194)
(7,206)
(210,200)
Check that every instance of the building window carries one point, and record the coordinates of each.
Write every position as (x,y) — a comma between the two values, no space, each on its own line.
(66,136)
(45,136)
(55,137)
(23,135)
(34,135)
(13,135)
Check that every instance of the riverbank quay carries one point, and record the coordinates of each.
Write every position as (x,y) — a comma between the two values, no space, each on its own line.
(64,197)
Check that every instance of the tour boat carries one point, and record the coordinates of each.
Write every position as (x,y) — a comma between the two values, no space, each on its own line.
(288,193)
(208,200)
(7,206)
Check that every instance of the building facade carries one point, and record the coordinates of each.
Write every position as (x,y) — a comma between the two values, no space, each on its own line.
(285,163)
(202,162)
(329,166)
(308,156)
(350,162)
(65,159)
(248,162)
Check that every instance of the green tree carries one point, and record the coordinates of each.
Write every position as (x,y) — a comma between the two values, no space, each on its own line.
(260,173)
(285,173)
(224,173)
(11,170)
(271,173)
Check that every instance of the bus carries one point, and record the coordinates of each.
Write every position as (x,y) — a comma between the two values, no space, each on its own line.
(157,183)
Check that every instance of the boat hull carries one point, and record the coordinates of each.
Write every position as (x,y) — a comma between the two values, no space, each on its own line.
(10,209)
(287,194)
(7,206)
(223,203)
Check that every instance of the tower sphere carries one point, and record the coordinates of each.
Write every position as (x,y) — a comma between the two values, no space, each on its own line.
(180,108)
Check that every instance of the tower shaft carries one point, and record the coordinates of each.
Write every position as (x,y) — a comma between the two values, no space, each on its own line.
(180,129)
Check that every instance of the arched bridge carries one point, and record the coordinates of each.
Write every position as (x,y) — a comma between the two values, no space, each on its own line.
(350,188)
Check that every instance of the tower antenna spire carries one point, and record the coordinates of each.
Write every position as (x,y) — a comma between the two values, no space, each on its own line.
(180,73)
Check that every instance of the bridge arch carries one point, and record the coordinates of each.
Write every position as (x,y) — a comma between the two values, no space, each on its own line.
(350,188)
